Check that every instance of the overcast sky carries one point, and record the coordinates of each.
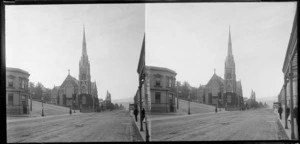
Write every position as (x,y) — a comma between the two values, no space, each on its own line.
(46,41)
(192,39)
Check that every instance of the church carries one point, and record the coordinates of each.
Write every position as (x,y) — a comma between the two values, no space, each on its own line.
(227,92)
(82,93)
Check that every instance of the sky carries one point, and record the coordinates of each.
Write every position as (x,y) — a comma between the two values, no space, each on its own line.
(192,39)
(46,41)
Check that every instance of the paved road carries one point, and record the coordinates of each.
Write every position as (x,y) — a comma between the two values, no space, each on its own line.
(87,127)
(259,124)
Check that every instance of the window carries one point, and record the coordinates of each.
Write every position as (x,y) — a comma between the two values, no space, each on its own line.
(157,97)
(169,82)
(229,98)
(10,82)
(83,76)
(157,81)
(10,99)
(22,84)
(228,75)
(83,100)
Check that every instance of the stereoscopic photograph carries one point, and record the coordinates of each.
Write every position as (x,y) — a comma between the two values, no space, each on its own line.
(142,72)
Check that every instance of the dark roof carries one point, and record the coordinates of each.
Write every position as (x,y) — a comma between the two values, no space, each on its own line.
(219,80)
(69,77)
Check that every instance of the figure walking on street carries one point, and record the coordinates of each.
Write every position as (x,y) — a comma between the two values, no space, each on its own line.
(280,111)
(287,113)
(296,113)
(135,112)
(216,110)
(143,114)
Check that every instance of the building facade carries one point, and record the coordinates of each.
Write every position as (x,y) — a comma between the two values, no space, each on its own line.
(290,76)
(225,92)
(81,93)
(17,91)
(158,90)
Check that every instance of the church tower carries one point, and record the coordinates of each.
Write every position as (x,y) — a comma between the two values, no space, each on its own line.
(229,75)
(84,70)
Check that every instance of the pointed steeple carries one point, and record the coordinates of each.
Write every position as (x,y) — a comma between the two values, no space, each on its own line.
(229,44)
(84,53)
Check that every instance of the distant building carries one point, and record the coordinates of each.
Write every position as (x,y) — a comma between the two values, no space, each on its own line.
(158,90)
(80,93)
(290,67)
(54,94)
(17,92)
(225,92)
(201,93)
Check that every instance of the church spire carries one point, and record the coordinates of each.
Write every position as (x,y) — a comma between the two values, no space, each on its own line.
(229,44)
(84,53)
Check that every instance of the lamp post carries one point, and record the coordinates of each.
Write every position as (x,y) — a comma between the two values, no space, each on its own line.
(42,104)
(31,101)
(177,95)
(189,112)
(73,106)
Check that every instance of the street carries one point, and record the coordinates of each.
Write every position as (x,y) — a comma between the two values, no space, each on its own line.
(84,127)
(260,124)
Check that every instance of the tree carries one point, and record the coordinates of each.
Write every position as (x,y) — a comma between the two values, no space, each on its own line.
(117,106)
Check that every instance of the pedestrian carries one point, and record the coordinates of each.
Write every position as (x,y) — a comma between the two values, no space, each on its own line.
(287,113)
(143,114)
(296,113)
(216,110)
(136,112)
(70,111)
(280,111)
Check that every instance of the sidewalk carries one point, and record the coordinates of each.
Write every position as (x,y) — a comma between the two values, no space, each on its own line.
(138,125)
(289,130)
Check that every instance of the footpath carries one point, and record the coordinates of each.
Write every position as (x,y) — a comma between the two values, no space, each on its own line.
(137,124)
(287,130)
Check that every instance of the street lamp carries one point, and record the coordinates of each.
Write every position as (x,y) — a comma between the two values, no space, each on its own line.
(189,112)
(31,101)
(179,92)
(177,95)
(42,104)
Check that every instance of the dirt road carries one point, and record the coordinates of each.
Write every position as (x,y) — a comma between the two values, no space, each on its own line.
(87,127)
(259,124)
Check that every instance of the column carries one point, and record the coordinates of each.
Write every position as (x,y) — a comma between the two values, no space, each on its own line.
(292,101)
(285,103)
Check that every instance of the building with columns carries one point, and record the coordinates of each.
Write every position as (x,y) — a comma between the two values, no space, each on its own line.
(17,92)
(289,94)
(158,90)
(81,93)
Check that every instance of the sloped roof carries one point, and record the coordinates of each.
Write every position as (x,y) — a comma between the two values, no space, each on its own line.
(70,78)
(216,78)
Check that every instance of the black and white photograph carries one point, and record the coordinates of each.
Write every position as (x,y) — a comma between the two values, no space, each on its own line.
(142,72)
